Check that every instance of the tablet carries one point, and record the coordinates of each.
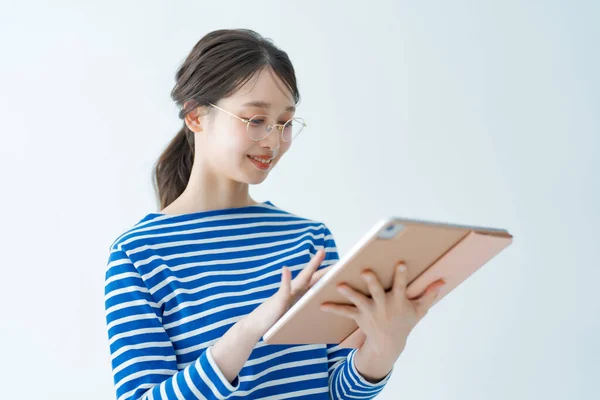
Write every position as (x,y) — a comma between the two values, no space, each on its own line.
(431,251)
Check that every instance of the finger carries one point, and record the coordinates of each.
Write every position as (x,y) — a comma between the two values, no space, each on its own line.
(375,287)
(400,278)
(303,278)
(311,267)
(432,286)
(341,310)
(361,301)
(285,288)
(424,303)
(318,275)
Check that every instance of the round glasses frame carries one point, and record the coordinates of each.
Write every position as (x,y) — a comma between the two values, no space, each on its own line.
(269,127)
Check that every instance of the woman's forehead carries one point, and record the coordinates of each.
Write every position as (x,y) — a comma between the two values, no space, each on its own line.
(264,90)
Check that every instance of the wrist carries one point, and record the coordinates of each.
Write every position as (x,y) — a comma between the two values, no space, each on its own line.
(252,327)
(371,368)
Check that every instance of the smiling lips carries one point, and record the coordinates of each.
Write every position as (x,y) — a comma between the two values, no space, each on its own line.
(262,163)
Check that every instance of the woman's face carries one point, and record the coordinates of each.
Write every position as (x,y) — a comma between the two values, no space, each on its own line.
(224,143)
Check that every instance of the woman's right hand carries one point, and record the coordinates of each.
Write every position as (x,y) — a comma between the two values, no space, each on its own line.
(233,350)
(265,315)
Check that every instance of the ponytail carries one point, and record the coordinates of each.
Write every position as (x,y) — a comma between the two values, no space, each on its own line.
(173,168)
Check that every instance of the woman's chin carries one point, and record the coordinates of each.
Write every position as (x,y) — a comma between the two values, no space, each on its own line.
(255,179)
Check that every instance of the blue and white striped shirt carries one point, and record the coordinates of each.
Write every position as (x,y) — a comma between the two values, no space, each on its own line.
(176,283)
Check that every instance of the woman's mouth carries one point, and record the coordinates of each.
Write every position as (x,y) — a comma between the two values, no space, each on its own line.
(261,163)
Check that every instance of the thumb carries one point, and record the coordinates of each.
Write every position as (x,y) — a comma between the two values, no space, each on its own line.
(424,303)
(318,275)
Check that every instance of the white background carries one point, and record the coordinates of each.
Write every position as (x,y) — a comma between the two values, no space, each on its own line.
(483,113)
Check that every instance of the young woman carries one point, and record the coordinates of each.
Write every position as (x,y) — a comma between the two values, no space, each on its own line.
(191,290)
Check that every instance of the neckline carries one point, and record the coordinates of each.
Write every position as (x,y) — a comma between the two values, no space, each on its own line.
(164,216)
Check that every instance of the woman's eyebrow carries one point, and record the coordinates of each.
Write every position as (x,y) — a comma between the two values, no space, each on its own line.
(264,104)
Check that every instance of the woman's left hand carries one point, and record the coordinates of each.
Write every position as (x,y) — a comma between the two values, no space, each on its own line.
(386,319)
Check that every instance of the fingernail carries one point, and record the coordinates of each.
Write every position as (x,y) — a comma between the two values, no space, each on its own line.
(402,268)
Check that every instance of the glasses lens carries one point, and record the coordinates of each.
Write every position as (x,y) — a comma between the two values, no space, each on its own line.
(292,129)
(260,126)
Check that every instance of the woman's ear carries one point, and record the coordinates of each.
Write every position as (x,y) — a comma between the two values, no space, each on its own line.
(193,119)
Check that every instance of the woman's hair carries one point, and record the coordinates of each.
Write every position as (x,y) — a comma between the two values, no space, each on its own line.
(219,64)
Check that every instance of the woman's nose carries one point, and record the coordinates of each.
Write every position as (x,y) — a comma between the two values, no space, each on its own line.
(272,139)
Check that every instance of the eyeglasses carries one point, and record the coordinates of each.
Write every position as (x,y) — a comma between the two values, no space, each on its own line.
(260,126)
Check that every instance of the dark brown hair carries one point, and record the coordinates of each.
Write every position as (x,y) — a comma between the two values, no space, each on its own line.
(220,63)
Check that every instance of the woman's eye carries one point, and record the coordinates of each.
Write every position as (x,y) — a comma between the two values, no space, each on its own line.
(257,121)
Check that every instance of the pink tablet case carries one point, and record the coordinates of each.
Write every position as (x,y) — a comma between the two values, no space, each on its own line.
(431,251)
(461,261)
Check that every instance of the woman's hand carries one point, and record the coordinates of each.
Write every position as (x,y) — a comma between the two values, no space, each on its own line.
(233,350)
(386,319)
(265,315)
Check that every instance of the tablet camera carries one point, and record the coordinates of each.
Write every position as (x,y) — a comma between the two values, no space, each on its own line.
(390,231)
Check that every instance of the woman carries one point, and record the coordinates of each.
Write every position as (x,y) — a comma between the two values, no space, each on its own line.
(191,290)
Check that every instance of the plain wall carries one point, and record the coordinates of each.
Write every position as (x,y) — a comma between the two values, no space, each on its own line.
(483,113)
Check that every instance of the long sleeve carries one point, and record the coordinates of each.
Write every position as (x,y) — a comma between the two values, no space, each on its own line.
(345,382)
(143,358)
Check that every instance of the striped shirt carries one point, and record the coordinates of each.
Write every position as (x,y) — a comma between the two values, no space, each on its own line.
(176,283)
